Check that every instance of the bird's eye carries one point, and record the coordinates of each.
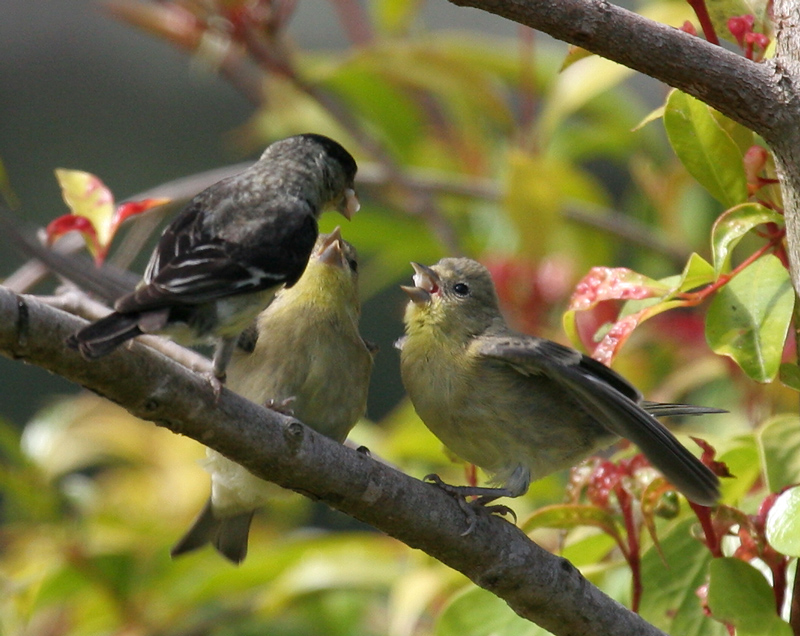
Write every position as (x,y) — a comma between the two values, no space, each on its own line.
(353,265)
(461,289)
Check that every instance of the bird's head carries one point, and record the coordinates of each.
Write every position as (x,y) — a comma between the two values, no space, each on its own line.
(339,170)
(456,296)
(331,276)
(333,169)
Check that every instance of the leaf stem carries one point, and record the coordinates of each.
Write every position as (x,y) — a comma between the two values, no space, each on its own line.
(632,554)
(701,11)
(695,298)
(712,538)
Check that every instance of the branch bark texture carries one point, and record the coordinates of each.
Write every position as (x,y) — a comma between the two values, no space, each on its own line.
(539,586)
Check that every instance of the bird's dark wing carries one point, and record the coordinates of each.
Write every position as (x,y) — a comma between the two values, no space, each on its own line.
(191,266)
(612,401)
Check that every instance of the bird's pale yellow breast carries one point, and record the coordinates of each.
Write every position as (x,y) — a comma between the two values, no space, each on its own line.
(427,360)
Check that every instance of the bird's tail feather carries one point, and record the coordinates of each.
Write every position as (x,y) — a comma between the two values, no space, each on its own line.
(105,335)
(659,409)
(227,534)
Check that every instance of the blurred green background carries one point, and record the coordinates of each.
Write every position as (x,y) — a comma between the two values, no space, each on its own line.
(506,148)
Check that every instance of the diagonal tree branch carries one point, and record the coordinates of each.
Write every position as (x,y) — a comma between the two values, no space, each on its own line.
(539,586)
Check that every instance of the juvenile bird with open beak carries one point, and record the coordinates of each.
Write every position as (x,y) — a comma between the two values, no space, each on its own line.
(221,260)
(305,353)
(518,406)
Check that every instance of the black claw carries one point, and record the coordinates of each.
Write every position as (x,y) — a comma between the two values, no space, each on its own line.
(433,478)
(473,508)
(284,407)
(217,384)
(497,509)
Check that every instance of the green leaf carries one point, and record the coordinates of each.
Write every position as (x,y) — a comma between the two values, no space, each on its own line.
(340,561)
(742,137)
(568,516)
(477,612)
(749,317)
(537,188)
(380,102)
(25,491)
(732,225)
(574,54)
(588,551)
(782,523)
(669,600)
(499,57)
(696,273)
(789,374)
(739,594)
(705,148)
(744,461)
(466,94)
(575,86)
(779,441)
(653,115)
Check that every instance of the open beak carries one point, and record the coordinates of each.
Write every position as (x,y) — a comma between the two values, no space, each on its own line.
(349,204)
(426,283)
(331,251)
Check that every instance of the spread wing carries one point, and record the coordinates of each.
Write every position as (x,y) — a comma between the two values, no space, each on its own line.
(612,401)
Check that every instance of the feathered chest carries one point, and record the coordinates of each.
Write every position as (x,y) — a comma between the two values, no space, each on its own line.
(437,372)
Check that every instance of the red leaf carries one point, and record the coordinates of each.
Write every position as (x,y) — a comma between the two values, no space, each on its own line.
(589,322)
(71,223)
(132,208)
(613,283)
(720,469)
(613,340)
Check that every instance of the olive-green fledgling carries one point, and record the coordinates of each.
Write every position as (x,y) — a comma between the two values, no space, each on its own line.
(306,353)
(518,406)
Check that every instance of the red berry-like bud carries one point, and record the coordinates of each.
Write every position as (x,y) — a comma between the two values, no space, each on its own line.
(754,161)
(740,26)
(759,39)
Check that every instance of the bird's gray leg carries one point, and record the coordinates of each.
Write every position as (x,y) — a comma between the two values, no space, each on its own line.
(222,356)
(478,506)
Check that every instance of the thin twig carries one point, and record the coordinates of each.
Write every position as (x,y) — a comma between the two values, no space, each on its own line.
(630,230)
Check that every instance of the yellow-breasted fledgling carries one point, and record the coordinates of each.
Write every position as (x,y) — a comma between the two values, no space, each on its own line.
(518,406)
(305,352)
(221,260)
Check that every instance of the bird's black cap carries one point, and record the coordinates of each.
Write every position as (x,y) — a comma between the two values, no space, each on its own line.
(335,150)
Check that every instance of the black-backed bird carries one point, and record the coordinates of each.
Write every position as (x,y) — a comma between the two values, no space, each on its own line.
(221,260)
